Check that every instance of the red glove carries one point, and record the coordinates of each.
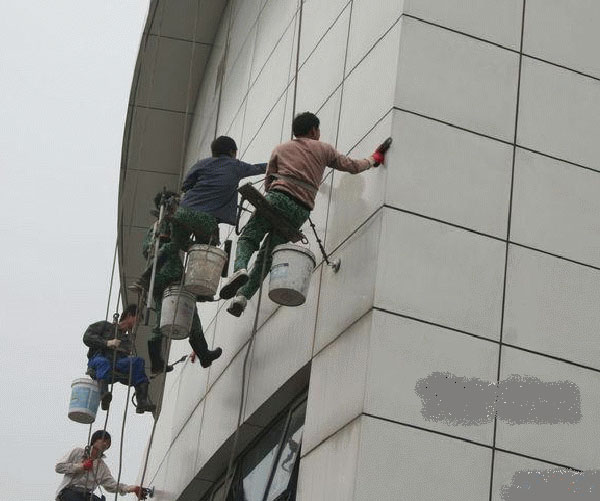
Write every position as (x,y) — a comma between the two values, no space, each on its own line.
(140,492)
(88,464)
(378,157)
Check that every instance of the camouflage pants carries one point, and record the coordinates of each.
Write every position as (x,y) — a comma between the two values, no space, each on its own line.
(254,232)
(202,225)
(169,273)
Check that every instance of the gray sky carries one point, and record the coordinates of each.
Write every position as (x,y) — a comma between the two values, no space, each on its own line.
(65,74)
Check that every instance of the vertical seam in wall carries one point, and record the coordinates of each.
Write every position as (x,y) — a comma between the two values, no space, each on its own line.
(224,62)
(337,132)
(508,230)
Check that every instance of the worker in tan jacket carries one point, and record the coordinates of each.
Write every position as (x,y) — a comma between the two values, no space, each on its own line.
(292,181)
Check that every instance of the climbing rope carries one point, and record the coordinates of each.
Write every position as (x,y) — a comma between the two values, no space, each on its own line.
(228,475)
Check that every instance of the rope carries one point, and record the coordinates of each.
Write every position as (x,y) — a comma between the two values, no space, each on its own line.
(228,476)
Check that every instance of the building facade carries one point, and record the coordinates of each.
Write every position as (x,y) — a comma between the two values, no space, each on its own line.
(473,253)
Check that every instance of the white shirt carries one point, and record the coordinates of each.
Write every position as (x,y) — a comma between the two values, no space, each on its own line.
(76,476)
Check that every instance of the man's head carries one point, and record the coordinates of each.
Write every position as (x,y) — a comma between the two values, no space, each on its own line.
(100,440)
(128,317)
(159,196)
(306,125)
(223,145)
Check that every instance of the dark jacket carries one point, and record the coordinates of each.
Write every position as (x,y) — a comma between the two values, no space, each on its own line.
(211,186)
(96,336)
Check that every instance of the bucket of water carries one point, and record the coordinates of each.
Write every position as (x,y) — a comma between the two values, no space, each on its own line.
(290,274)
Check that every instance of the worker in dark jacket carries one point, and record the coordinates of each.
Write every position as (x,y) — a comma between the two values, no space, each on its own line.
(111,342)
(211,195)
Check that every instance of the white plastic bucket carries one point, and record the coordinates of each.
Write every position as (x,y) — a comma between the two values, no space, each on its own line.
(204,267)
(85,397)
(177,312)
(290,274)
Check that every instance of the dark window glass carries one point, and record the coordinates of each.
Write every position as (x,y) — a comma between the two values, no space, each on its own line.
(289,454)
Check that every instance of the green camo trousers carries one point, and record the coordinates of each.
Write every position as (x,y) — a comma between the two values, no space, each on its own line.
(188,221)
(254,232)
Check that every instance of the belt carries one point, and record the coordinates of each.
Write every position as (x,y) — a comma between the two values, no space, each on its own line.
(308,187)
(293,199)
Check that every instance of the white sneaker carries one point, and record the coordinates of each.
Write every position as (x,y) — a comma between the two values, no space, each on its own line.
(237,280)
(237,305)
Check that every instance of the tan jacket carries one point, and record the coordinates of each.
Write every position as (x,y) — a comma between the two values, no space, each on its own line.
(76,476)
(304,160)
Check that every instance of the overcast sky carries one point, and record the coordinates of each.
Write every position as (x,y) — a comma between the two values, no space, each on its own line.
(66,68)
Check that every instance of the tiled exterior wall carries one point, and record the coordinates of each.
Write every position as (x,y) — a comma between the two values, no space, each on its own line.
(474,251)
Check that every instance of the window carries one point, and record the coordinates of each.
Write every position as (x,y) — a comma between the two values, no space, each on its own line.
(268,470)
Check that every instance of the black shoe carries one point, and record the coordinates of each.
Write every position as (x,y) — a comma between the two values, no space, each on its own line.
(143,402)
(237,280)
(158,369)
(209,356)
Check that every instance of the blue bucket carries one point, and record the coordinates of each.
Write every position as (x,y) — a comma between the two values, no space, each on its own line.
(85,397)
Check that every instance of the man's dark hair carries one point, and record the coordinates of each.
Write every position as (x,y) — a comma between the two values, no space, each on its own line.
(223,145)
(304,122)
(158,197)
(100,434)
(130,310)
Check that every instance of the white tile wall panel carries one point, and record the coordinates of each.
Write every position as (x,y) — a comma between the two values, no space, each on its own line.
(371,19)
(317,18)
(174,58)
(505,467)
(573,444)
(221,407)
(175,20)
(235,84)
(193,383)
(181,462)
(355,197)
(564,32)
(498,22)
(440,274)
(337,384)
(556,207)
(328,472)
(403,351)
(558,114)
(397,462)
(245,19)
(449,174)
(551,306)
(324,71)
(347,295)
(269,88)
(231,334)
(376,77)
(144,188)
(282,346)
(457,79)
(259,144)
(277,18)
(156,156)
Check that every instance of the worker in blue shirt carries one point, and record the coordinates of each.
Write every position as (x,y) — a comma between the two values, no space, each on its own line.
(211,194)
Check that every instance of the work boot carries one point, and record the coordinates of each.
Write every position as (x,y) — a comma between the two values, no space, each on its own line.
(105,395)
(157,362)
(237,280)
(237,305)
(143,402)
(207,358)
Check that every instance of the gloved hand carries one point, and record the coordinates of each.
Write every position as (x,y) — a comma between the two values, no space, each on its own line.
(88,464)
(139,491)
(379,155)
(113,343)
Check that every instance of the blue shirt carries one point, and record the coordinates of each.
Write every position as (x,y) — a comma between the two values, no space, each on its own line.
(211,186)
